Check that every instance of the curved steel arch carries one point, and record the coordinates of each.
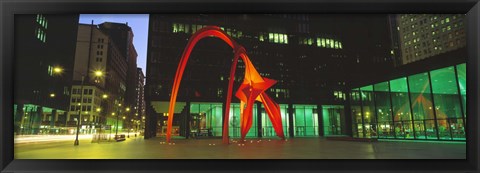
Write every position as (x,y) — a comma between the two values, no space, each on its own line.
(252,88)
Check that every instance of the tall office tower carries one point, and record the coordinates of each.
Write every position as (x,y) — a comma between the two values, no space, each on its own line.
(43,44)
(96,52)
(421,36)
(122,35)
(307,55)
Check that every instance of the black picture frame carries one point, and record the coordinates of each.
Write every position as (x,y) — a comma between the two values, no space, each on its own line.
(9,8)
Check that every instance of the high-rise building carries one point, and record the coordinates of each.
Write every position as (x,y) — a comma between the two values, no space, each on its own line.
(140,100)
(122,35)
(43,44)
(308,55)
(420,36)
(97,52)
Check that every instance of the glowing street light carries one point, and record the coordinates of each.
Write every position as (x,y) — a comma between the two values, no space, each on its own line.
(104,96)
(98,73)
(57,70)
(52,95)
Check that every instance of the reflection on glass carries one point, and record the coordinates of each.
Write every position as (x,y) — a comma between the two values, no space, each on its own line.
(462,84)
(421,103)
(384,110)
(333,120)
(369,119)
(305,120)
(447,101)
(234,120)
(356,113)
(206,119)
(267,128)
(401,108)
(429,105)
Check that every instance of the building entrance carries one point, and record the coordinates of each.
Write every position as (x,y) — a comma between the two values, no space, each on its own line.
(333,119)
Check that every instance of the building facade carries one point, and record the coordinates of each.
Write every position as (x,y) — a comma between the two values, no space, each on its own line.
(424,35)
(43,42)
(122,35)
(306,56)
(96,52)
(425,100)
(139,117)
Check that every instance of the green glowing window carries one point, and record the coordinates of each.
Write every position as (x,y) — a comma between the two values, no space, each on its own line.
(267,128)
(357,122)
(175,28)
(187,28)
(37,32)
(270,37)
(445,92)
(206,116)
(285,38)
(305,120)
(194,28)
(403,127)
(319,42)
(234,121)
(422,107)
(333,120)
(181,28)
(447,104)
(50,70)
(340,45)
(280,38)
(260,37)
(328,43)
(323,42)
(462,84)
(447,20)
(383,110)
(421,96)
(400,101)
(369,119)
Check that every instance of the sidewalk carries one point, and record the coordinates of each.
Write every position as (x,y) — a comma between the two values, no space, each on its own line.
(297,148)
(22,139)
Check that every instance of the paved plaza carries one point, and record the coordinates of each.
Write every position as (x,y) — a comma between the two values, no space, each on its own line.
(297,148)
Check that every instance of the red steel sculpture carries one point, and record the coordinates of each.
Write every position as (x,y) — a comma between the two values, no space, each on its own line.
(252,88)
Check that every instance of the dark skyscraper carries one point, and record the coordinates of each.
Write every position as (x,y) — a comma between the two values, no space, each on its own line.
(122,35)
(312,57)
(42,91)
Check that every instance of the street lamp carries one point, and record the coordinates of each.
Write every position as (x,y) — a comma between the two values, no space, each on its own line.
(57,70)
(97,74)
(118,113)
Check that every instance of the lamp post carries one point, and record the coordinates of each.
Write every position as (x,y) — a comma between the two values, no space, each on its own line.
(119,110)
(97,74)
(126,122)
(79,119)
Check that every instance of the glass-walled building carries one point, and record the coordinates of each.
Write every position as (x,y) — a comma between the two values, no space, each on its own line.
(429,106)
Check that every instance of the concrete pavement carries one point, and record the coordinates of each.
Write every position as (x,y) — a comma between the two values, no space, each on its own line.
(297,148)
